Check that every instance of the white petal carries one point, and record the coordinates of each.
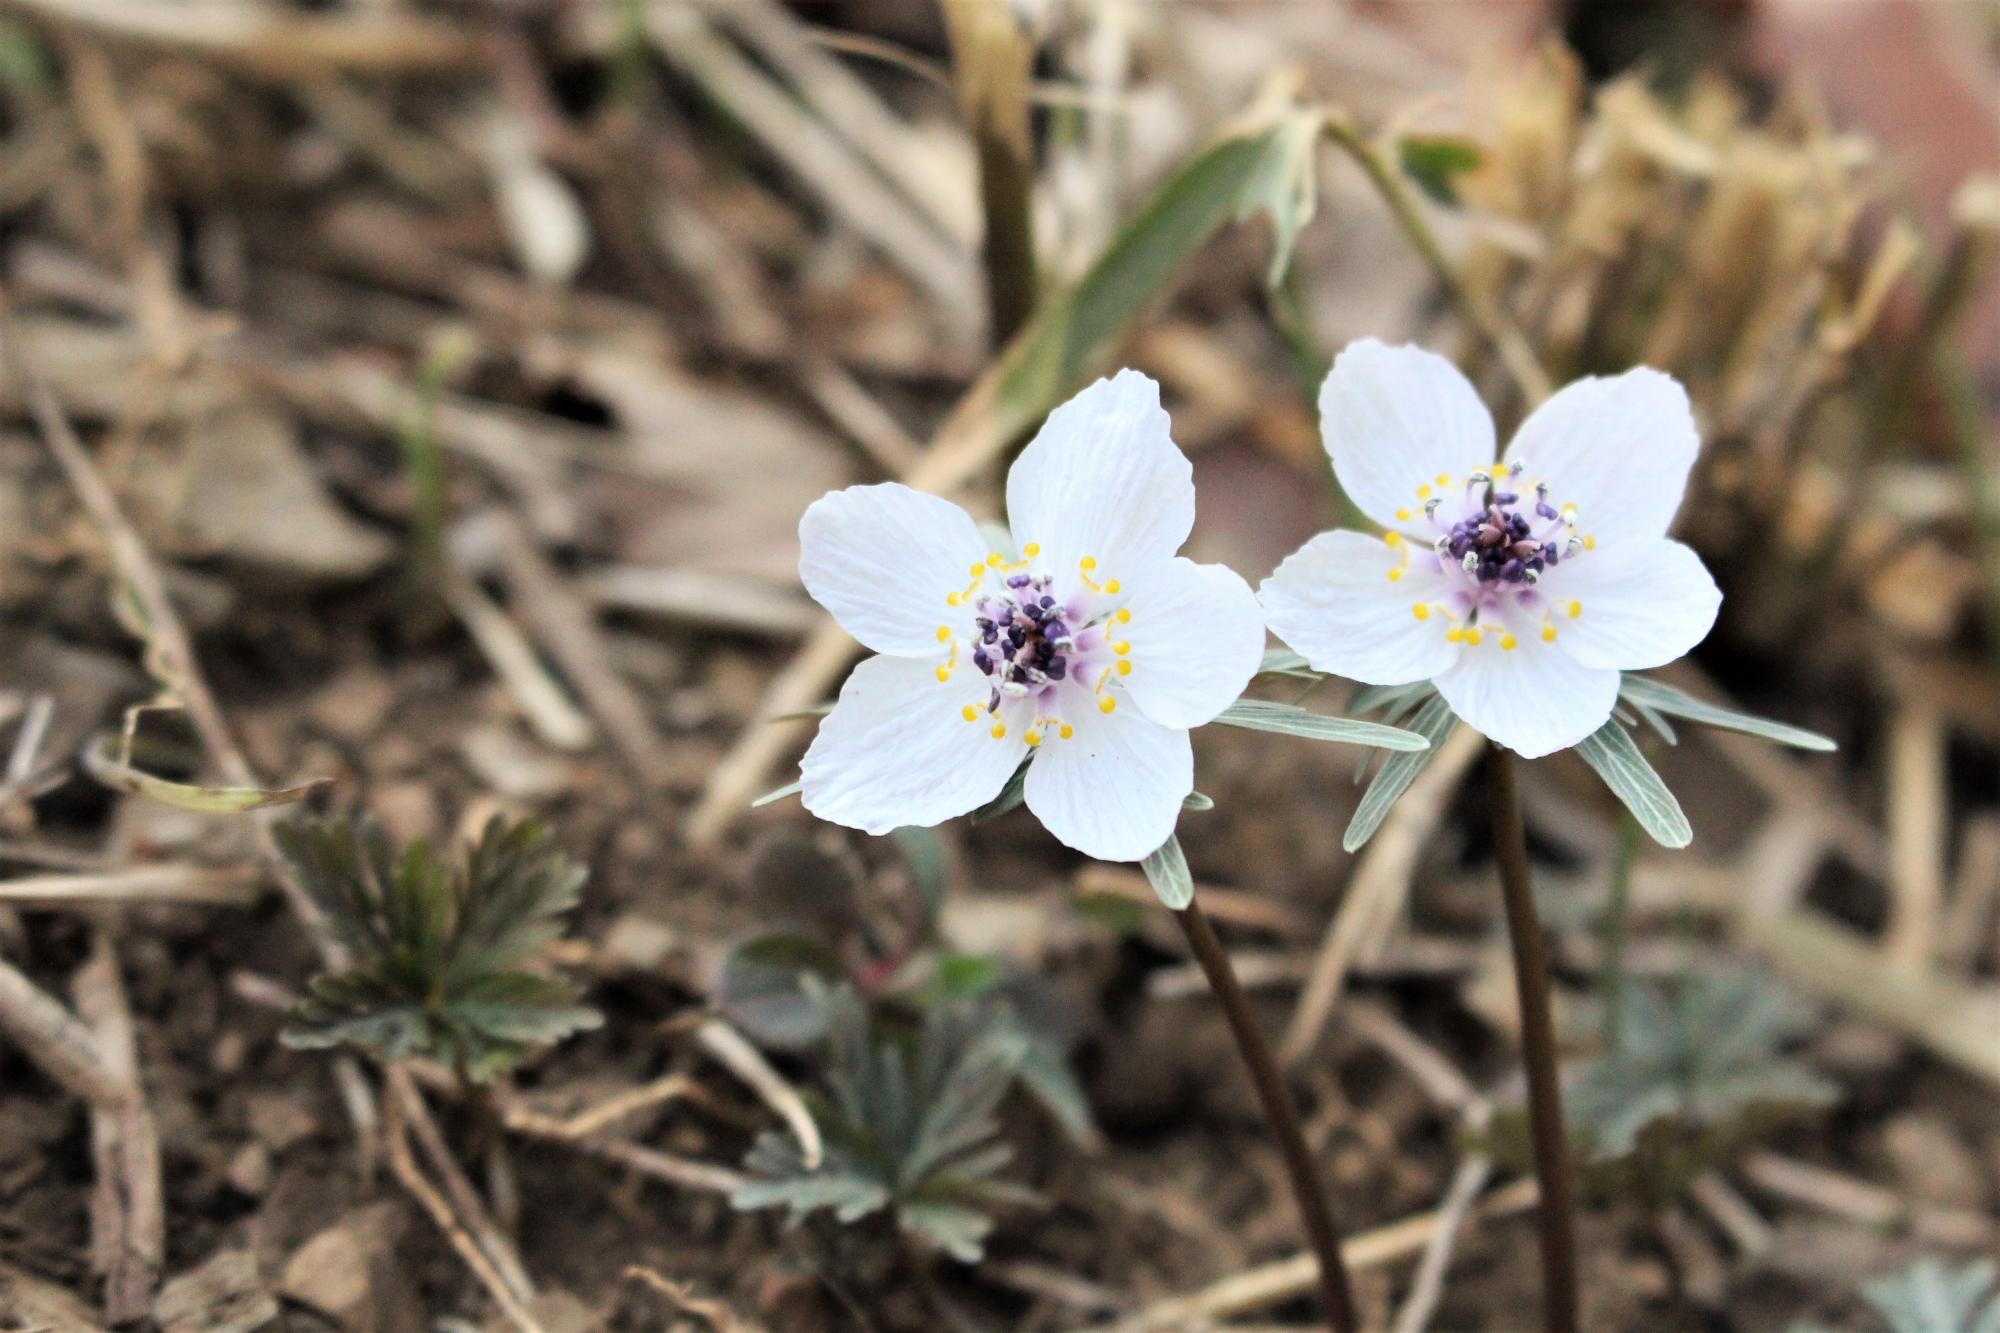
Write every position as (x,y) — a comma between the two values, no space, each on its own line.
(1332,601)
(1640,604)
(896,750)
(1197,635)
(883,559)
(1103,478)
(1534,700)
(1396,418)
(1618,449)
(1114,789)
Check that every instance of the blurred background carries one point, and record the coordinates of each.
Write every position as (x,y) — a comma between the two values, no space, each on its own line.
(457,374)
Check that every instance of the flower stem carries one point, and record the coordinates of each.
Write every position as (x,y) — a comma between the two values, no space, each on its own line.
(1557,1210)
(1314,1210)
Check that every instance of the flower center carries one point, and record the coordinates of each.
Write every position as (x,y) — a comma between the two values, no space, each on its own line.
(1494,541)
(1047,645)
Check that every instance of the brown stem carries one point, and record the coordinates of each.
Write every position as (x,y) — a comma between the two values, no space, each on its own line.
(1556,1212)
(1314,1210)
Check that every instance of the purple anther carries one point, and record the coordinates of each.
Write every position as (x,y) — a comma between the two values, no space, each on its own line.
(1017,580)
(983,660)
(1505,498)
(1057,669)
(1547,510)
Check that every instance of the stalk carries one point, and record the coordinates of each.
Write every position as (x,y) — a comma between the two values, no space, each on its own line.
(1314,1211)
(1556,1213)
(995,58)
(1617,912)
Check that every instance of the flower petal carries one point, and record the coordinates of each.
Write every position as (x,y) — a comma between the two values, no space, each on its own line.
(1332,600)
(1396,418)
(1619,449)
(1640,604)
(1534,700)
(1197,635)
(883,559)
(1103,478)
(1113,790)
(897,751)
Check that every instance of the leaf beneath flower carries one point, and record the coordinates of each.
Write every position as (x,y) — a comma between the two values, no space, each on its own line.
(1616,757)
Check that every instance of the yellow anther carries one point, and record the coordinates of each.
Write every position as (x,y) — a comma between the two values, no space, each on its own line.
(1125,666)
(1031,550)
(995,559)
(1395,573)
(1066,731)
(969,713)
(1122,647)
(1392,539)
(1423,492)
(944,634)
(1402,516)
(953,598)
(1508,643)
(1107,704)
(1123,616)
(1444,479)
(1420,611)
(977,569)
(1088,562)
(1454,635)
(999,732)
(1032,737)
(1548,634)
(943,674)
(1111,585)
(1589,543)
(1575,609)
(1474,637)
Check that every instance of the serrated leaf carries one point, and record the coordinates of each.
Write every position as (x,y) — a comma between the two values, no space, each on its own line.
(1612,752)
(1704,1058)
(1167,871)
(1433,723)
(435,948)
(762,988)
(1287,720)
(1929,1297)
(101,765)
(912,1128)
(1645,692)
(1436,161)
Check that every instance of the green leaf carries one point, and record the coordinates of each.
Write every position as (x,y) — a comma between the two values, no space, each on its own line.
(1011,795)
(1287,720)
(1436,161)
(1703,1058)
(773,797)
(1167,871)
(1643,692)
(1928,1297)
(930,868)
(1616,757)
(99,763)
(1285,662)
(1195,801)
(1433,723)
(436,949)
(1261,165)
(762,986)
(1284,187)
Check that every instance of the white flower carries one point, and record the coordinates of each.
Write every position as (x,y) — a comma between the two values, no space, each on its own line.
(1520,588)
(1091,646)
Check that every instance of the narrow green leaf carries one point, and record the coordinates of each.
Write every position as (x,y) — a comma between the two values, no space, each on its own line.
(98,762)
(1011,795)
(1194,800)
(1258,167)
(801,714)
(1616,757)
(1645,692)
(1432,723)
(1167,871)
(1285,662)
(772,797)
(1286,720)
